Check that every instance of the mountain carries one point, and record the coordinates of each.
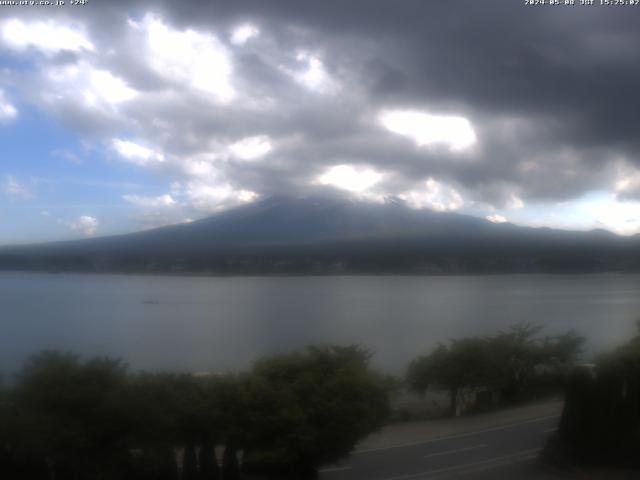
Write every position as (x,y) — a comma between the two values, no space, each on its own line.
(333,235)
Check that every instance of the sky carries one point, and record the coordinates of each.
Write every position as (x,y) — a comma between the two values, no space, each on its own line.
(122,116)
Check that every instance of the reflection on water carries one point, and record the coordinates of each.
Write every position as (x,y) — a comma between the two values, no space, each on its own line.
(222,323)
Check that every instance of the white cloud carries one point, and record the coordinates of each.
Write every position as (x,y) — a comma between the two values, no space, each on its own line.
(187,57)
(48,36)
(83,85)
(150,202)
(210,197)
(198,167)
(108,87)
(243,33)
(622,217)
(627,182)
(597,209)
(251,148)
(424,129)
(15,189)
(7,110)
(247,196)
(495,218)
(313,76)
(136,153)
(86,224)
(514,202)
(348,177)
(142,95)
(435,195)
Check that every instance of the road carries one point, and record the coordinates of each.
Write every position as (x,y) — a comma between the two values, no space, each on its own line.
(505,451)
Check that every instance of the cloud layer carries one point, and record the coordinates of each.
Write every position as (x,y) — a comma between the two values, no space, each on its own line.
(485,105)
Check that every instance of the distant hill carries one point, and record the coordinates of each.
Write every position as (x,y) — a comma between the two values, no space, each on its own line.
(335,235)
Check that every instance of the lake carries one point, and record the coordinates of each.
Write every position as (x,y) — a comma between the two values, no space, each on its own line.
(223,323)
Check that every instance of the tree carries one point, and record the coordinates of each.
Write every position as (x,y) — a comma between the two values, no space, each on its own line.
(190,463)
(465,363)
(71,415)
(516,352)
(600,421)
(230,465)
(74,419)
(209,469)
(563,350)
(310,408)
(155,403)
(504,363)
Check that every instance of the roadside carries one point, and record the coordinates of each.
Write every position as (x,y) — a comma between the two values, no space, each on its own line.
(501,444)
(404,434)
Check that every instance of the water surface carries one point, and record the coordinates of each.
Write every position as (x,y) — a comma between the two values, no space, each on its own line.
(223,323)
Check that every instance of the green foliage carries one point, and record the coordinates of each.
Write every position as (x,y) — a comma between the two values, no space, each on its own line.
(625,360)
(209,469)
(455,365)
(230,465)
(190,463)
(74,419)
(601,419)
(562,350)
(516,353)
(310,408)
(505,363)
(72,414)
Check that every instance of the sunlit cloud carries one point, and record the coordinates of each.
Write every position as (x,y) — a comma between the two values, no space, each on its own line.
(244,33)
(495,218)
(7,110)
(622,217)
(350,178)
(81,84)
(85,224)
(108,87)
(213,197)
(187,57)
(150,202)
(48,37)
(426,130)
(313,75)
(251,148)
(434,195)
(514,202)
(198,168)
(247,196)
(597,209)
(136,153)
(252,100)
(627,184)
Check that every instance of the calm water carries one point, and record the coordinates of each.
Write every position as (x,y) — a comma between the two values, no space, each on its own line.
(224,323)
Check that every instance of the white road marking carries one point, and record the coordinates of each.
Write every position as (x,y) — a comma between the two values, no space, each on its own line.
(447,452)
(333,469)
(515,457)
(456,435)
(549,430)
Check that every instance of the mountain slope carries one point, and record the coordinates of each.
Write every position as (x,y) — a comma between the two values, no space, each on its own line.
(306,235)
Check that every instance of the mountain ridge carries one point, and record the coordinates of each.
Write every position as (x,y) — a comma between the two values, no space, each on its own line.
(335,235)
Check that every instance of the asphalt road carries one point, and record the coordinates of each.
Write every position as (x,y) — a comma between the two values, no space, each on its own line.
(506,451)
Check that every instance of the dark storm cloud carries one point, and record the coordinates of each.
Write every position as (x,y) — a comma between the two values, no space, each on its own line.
(550,91)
